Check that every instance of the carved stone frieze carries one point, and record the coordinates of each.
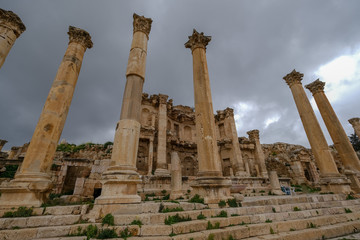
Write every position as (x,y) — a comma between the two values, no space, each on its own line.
(316,86)
(293,78)
(11,20)
(80,36)
(142,24)
(197,40)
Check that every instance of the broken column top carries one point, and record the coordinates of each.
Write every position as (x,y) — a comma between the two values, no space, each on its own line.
(81,36)
(316,86)
(253,134)
(197,40)
(354,121)
(11,20)
(142,24)
(293,78)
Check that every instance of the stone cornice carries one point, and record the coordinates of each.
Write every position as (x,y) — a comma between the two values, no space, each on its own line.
(197,40)
(293,78)
(11,20)
(142,24)
(80,36)
(253,134)
(354,121)
(316,86)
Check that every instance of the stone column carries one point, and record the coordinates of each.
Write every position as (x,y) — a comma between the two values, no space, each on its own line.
(275,184)
(161,165)
(254,136)
(331,180)
(121,178)
(355,122)
(209,183)
(176,178)
(33,182)
(2,143)
(151,156)
(247,168)
(11,27)
(341,141)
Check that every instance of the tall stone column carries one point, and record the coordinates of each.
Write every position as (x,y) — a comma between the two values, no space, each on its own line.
(176,178)
(11,27)
(275,184)
(331,180)
(151,156)
(33,182)
(341,141)
(259,154)
(209,183)
(121,178)
(161,165)
(355,123)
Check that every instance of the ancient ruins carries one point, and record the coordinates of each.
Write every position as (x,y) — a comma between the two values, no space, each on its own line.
(173,171)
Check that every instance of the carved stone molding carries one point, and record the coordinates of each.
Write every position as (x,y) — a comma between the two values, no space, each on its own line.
(354,121)
(197,40)
(80,36)
(293,78)
(142,24)
(316,86)
(11,20)
(253,134)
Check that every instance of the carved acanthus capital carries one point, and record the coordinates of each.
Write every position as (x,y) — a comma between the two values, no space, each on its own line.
(253,135)
(80,36)
(316,86)
(142,24)
(11,20)
(222,114)
(354,121)
(163,98)
(197,40)
(293,78)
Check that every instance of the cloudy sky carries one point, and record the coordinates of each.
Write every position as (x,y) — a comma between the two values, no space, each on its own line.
(254,44)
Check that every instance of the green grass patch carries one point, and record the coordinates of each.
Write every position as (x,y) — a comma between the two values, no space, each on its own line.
(210,226)
(201,216)
(108,219)
(197,199)
(20,212)
(176,219)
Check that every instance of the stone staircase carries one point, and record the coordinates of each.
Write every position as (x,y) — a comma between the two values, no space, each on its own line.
(304,217)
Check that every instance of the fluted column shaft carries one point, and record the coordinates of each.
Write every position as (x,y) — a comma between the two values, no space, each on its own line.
(312,128)
(127,133)
(151,156)
(341,141)
(11,27)
(355,123)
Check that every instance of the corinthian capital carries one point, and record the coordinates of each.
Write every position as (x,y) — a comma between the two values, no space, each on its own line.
(81,36)
(142,24)
(163,98)
(316,86)
(11,20)
(197,40)
(253,134)
(293,78)
(354,121)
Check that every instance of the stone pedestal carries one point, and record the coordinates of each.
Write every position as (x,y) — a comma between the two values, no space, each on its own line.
(161,165)
(259,154)
(11,27)
(121,179)
(331,180)
(210,183)
(341,141)
(33,181)
(176,178)
(275,184)
(355,123)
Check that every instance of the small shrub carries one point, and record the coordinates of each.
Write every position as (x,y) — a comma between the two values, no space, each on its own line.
(108,144)
(172,234)
(350,197)
(272,231)
(311,225)
(221,214)
(296,209)
(163,191)
(108,219)
(91,231)
(242,223)
(235,215)
(348,210)
(136,222)
(166,197)
(268,221)
(201,216)
(222,203)
(125,233)
(210,226)
(175,219)
(232,202)
(197,199)
(211,237)
(177,209)
(274,210)
(20,212)
(261,191)
(107,233)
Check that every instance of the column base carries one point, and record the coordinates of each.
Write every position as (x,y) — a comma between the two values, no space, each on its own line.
(277,192)
(119,188)
(335,183)
(176,194)
(161,172)
(27,189)
(212,189)
(354,179)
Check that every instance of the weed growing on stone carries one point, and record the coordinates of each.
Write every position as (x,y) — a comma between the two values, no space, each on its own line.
(221,214)
(20,212)
(108,219)
(201,216)
(177,209)
(136,222)
(108,233)
(210,226)
(197,199)
(222,203)
(232,202)
(311,225)
(235,215)
(211,237)
(274,210)
(125,233)
(350,197)
(272,231)
(347,210)
(296,209)
(175,219)
(268,221)
(292,229)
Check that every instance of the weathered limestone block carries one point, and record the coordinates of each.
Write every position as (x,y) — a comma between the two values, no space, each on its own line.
(155,230)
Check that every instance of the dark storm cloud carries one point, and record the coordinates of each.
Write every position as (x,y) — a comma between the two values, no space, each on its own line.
(254,44)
